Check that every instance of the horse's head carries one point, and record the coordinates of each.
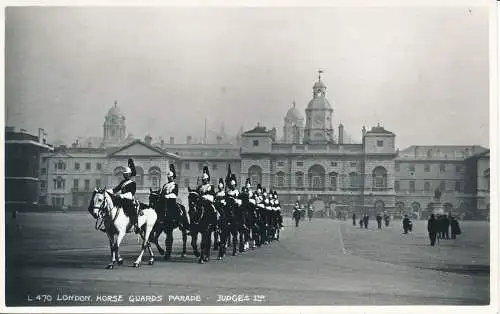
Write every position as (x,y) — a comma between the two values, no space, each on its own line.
(97,202)
(154,196)
(193,199)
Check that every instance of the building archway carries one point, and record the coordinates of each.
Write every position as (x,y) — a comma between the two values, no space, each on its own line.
(379,207)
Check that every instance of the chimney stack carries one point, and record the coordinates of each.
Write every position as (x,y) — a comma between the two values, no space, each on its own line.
(341,134)
(148,139)
(188,139)
(219,139)
(172,142)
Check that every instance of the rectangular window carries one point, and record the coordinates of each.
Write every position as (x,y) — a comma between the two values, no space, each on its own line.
(333,164)
(300,163)
(77,166)
(186,182)
(280,180)
(256,143)
(87,185)
(442,186)
(87,166)
(427,187)
(333,182)
(43,171)
(427,168)
(396,186)
(442,167)
(397,166)
(75,184)
(380,143)
(411,168)
(186,165)
(458,168)
(214,167)
(458,186)
(99,166)
(354,164)
(412,186)
(281,164)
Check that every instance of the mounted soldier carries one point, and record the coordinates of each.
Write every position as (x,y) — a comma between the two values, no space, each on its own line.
(125,193)
(170,190)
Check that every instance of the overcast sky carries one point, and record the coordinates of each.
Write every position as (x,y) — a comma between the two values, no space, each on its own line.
(421,72)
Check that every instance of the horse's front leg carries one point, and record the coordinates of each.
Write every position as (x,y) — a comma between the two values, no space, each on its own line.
(184,240)
(194,243)
(112,247)
(119,240)
(145,244)
(157,230)
(168,242)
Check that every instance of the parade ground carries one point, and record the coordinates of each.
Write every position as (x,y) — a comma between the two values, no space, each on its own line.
(59,259)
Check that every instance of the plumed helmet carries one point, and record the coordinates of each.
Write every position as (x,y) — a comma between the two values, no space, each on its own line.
(233,180)
(221,181)
(127,170)
(247,182)
(131,165)
(172,173)
(206,173)
(259,187)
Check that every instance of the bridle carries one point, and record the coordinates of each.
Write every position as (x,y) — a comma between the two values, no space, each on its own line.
(102,213)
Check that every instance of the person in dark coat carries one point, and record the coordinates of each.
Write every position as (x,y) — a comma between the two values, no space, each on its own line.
(432,228)
(353,219)
(455,228)
(365,220)
(406,224)
(446,226)
(379,221)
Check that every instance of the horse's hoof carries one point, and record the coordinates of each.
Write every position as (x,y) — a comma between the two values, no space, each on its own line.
(120,262)
(201,261)
(136,265)
(110,266)
(151,262)
(183,255)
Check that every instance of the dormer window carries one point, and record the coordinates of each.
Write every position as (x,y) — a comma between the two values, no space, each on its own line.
(380,143)
(256,143)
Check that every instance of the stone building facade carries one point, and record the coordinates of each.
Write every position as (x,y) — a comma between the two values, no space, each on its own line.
(311,163)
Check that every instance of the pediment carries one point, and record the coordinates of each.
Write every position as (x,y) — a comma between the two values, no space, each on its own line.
(139,148)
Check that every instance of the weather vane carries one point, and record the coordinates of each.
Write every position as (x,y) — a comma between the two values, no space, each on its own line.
(319,74)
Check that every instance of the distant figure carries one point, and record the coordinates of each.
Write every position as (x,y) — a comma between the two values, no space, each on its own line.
(365,220)
(387,219)
(455,228)
(361,222)
(379,221)
(406,224)
(310,212)
(446,226)
(432,228)
(354,219)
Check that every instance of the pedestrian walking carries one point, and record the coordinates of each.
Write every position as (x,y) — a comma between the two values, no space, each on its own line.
(365,220)
(455,228)
(432,228)
(354,219)
(379,221)
(406,224)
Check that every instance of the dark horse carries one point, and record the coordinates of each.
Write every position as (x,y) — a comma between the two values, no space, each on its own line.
(228,225)
(167,222)
(252,218)
(203,219)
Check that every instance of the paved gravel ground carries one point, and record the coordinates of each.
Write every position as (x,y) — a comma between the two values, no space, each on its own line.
(322,262)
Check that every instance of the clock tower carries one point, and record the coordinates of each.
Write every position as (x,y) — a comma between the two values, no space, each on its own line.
(318,129)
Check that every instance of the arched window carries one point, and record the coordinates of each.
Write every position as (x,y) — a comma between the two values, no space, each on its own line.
(333,181)
(379,176)
(154,174)
(59,183)
(255,175)
(299,179)
(316,177)
(139,177)
(280,179)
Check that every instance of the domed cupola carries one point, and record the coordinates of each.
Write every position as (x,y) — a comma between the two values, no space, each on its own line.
(114,126)
(293,115)
(319,116)
(293,128)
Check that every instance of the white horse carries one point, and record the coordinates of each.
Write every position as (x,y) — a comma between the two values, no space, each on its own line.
(117,224)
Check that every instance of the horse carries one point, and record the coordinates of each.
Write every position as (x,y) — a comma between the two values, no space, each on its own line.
(167,222)
(229,226)
(117,224)
(203,219)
